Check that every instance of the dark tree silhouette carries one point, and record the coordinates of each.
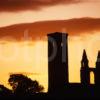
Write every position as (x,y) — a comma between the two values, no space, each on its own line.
(4,90)
(23,85)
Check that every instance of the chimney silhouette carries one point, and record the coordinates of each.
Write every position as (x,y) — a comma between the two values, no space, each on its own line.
(57,61)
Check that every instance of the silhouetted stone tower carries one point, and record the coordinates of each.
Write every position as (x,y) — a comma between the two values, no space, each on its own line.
(97,80)
(85,75)
(57,61)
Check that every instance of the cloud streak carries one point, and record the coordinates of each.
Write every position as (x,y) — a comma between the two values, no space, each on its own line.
(74,27)
(21,5)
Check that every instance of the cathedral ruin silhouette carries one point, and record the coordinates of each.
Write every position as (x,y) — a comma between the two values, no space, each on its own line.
(86,70)
(58,75)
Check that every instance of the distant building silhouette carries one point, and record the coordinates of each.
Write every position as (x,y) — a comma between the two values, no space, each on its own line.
(57,61)
(58,77)
(97,78)
(86,70)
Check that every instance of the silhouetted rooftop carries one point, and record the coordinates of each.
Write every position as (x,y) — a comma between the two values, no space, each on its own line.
(57,34)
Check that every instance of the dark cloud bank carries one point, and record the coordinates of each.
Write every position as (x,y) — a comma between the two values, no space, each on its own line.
(21,5)
(40,29)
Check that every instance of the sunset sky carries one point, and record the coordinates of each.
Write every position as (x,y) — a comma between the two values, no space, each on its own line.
(24,25)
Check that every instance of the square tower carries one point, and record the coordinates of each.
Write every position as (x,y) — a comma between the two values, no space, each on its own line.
(57,61)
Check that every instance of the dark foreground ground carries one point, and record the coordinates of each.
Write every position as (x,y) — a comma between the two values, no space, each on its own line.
(74,91)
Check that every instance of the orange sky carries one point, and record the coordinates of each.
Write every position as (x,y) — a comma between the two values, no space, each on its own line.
(13,53)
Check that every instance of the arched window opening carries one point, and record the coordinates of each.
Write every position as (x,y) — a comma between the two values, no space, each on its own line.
(92,78)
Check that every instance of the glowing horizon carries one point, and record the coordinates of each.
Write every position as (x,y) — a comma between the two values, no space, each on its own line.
(34,58)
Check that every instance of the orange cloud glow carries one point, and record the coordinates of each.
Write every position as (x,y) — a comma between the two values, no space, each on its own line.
(39,30)
(20,5)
